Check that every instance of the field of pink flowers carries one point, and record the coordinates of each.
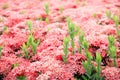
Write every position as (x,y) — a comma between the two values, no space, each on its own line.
(32,35)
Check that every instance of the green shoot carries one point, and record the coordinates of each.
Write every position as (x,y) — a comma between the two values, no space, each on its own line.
(98,61)
(21,78)
(112,49)
(92,72)
(108,14)
(5,6)
(61,9)
(84,3)
(81,39)
(95,15)
(5,29)
(31,43)
(34,45)
(88,65)
(116,20)
(1,19)
(71,27)
(111,41)
(25,49)
(47,20)
(65,49)
(1,47)
(15,65)
(77,30)
(113,54)
(47,9)
(85,45)
(29,24)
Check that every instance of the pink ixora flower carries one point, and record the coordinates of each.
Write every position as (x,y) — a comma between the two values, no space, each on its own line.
(111,73)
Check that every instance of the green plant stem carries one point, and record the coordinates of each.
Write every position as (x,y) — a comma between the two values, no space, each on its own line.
(72,43)
(115,64)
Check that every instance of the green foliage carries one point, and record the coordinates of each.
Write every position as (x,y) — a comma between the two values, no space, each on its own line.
(98,68)
(111,40)
(47,9)
(1,19)
(108,14)
(65,49)
(25,49)
(1,47)
(5,6)
(29,24)
(81,39)
(5,29)
(15,65)
(112,49)
(88,67)
(31,42)
(47,20)
(95,15)
(61,9)
(113,54)
(92,72)
(85,45)
(71,28)
(116,20)
(21,78)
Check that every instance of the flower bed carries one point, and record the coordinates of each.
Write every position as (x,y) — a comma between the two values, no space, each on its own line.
(56,39)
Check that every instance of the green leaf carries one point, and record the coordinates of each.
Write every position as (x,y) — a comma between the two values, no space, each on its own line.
(15,65)
(98,61)
(24,46)
(5,6)
(47,9)
(65,45)
(98,58)
(77,29)
(65,49)
(64,58)
(108,14)
(61,9)
(1,47)
(89,55)
(111,40)
(38,42)
(21,78)
(34,47)
(85,78)
(81,37)
(113,51)
(71,28)
(116,20)
(47,20)
(95,15)
(85,44)
(30,40)
(29,24)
